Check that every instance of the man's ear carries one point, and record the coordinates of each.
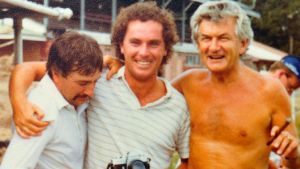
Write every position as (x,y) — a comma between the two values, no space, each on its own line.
(55,74)
(244,46)
(279,73)
(121,48)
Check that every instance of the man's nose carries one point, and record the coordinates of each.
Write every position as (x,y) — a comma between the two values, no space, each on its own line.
(89,90)
(143,49)
(214,45)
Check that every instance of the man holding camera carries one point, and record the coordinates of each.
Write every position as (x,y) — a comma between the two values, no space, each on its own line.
(136,116)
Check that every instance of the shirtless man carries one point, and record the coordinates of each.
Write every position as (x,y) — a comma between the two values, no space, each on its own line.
(232,107)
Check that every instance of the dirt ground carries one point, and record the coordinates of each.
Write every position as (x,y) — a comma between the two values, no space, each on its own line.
(5,107)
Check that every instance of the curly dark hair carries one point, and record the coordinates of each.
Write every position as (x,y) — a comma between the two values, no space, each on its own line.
(145,11)
(74,52)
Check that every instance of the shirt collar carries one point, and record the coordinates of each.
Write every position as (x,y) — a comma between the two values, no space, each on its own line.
(53,92)
(56,96)
(168,86)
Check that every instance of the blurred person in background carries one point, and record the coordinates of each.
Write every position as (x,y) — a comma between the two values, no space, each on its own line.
(287,70)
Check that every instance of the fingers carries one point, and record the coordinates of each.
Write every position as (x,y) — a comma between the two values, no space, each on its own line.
(114,66)
(292,145)
(285,144)
(21,133)
(112,71)
(38,113)
(29,123)
(25,132)
(110,74)
(36,125)
(274,130)
(31,127)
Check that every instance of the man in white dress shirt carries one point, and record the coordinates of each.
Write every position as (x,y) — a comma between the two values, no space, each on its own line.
(74,65)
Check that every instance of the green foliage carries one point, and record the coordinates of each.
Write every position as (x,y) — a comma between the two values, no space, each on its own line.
(279,20)
(175,158)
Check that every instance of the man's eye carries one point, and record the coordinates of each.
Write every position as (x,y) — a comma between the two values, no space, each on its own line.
(83,83)
(134,43)
(154,44)
(204,39)
(224,38)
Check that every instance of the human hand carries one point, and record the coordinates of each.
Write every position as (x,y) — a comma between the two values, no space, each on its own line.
(285,144)
(113,64)
(27,118)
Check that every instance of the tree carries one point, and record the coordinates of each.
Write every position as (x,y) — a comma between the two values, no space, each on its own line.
(279,24)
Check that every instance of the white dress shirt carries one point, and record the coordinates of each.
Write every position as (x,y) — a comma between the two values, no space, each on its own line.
(62,143)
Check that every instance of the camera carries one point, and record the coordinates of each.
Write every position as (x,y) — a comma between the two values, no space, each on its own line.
(130,161)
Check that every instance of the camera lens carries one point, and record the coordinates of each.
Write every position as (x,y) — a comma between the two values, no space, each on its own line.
(136,164)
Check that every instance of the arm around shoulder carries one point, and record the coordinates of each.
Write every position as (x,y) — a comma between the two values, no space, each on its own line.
(286,144)
(21,78)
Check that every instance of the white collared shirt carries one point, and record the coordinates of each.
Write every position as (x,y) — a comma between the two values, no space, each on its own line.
(118,124)
(62,143)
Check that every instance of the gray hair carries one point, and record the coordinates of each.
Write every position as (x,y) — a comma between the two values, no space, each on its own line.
(215,11)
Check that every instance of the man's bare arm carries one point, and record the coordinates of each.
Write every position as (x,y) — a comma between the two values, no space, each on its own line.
(113,64)
(27,117)
(286,143)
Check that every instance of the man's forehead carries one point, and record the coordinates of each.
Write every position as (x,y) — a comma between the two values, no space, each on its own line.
(219,20)
(221,26)
(82,76)
(144,29)
(149,21)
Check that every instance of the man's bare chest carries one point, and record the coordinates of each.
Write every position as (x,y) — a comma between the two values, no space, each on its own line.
(235,118)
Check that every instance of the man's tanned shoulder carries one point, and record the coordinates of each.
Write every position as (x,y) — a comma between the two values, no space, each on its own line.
(188,78)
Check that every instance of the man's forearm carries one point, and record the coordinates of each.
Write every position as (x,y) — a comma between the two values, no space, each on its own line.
(22,77)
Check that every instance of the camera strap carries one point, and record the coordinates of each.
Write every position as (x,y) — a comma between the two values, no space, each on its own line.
(115,137)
